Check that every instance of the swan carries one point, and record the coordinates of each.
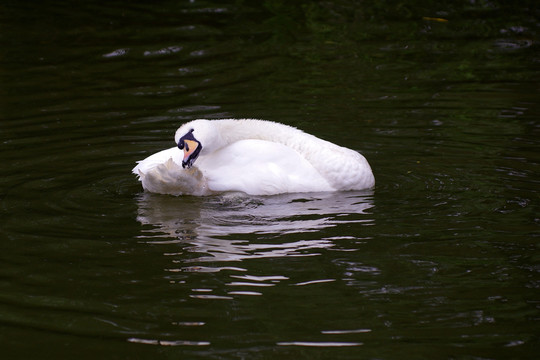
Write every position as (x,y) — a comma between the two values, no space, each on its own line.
(256,157)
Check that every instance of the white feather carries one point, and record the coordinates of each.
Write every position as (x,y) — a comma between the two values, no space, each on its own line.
(255,157)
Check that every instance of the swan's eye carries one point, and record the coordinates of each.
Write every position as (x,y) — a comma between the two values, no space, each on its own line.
(182,143)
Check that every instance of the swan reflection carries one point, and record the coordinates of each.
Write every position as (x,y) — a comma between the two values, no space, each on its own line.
(234,227)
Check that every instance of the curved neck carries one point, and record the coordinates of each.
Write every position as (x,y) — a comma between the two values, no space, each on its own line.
(232,130)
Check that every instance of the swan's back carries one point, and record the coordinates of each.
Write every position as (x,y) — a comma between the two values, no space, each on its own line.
(343,168)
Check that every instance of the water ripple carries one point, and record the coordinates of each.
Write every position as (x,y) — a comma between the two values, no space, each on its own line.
(319,343)
(235,227)
(168,342)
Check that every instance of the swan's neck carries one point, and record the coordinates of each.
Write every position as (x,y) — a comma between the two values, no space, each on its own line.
(235,130)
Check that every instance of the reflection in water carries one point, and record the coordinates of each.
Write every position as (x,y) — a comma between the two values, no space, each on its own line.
(233,227)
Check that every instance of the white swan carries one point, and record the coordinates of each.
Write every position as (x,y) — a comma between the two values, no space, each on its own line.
(256,157)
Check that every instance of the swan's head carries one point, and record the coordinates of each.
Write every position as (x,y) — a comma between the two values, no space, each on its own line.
(190,138)
(192,148)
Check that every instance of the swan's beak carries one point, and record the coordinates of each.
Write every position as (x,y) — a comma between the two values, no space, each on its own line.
(191,148)
(191,151)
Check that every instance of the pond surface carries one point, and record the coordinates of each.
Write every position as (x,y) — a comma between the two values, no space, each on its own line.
(440,260)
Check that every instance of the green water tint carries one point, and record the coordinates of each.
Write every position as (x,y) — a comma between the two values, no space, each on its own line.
(439,261)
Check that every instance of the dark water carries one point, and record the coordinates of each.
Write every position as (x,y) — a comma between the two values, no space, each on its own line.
(440,261)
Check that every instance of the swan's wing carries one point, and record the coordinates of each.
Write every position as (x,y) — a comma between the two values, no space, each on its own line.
(260,167)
